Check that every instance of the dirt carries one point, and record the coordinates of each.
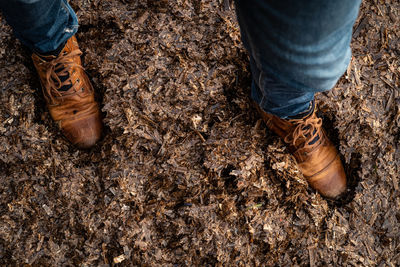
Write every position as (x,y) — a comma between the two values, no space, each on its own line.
(187,174)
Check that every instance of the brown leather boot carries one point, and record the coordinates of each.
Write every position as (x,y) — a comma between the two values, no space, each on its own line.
(315,154)
(69,95)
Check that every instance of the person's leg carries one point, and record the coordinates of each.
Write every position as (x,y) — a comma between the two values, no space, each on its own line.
(297,48)
(41,25)
(47,27)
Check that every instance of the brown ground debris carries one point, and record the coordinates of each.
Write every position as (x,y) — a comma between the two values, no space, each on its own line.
(187,174)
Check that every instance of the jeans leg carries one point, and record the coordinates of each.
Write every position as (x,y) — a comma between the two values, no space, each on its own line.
(41,25)
(296,47)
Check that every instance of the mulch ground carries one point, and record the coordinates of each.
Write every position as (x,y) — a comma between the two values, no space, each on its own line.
(187,174)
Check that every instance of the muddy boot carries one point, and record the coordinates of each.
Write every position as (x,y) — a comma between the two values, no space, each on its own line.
(69,95)
(316,156)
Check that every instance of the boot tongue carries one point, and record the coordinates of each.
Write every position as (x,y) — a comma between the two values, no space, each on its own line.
(62,78)
(314,140)
(301,142)
(49,56)
(304,115)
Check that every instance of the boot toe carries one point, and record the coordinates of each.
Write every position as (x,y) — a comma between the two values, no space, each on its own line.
(331,181)
(84,133)
(88,141)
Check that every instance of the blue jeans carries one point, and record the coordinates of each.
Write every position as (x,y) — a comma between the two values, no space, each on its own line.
(296,47)
(41,25)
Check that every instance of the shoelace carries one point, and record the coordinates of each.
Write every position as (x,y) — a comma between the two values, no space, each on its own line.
(307,134)
(62,66)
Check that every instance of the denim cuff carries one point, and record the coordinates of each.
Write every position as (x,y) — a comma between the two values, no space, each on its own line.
(41,25)
(279,99)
